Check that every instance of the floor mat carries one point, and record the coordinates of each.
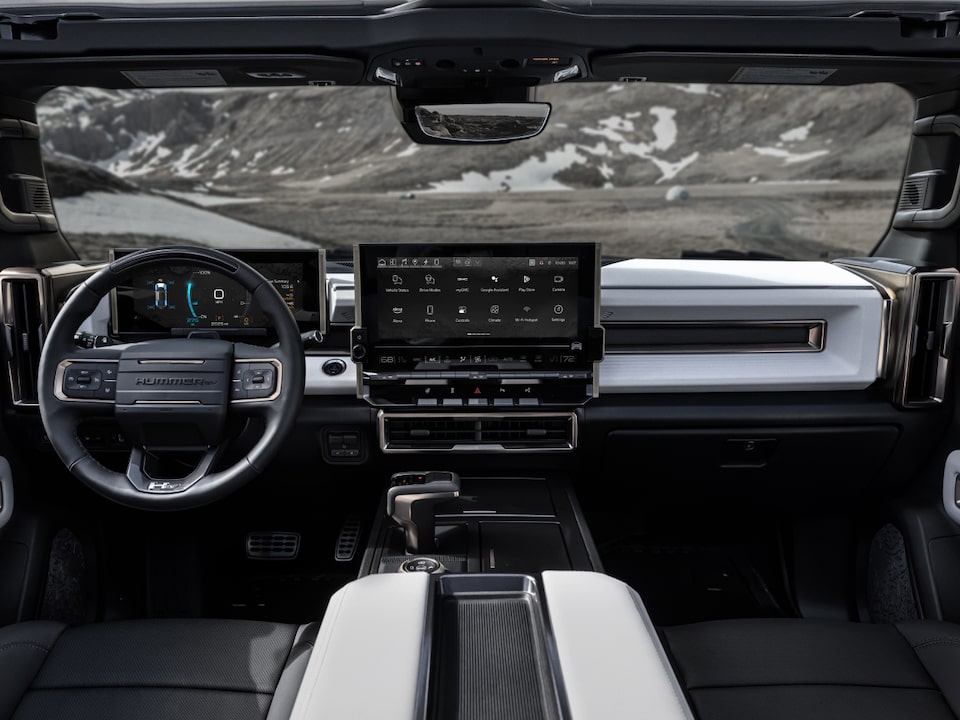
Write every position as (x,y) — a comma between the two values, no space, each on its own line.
(66,595)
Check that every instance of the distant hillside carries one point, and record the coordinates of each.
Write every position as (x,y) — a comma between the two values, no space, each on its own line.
(347,139)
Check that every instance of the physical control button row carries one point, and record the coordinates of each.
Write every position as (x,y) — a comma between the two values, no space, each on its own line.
(508,375)
(253,381)
(90,381)
(479,402)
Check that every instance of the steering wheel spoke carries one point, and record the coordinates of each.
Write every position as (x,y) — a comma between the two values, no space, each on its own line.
(257,380)
(139,472)
(87,378)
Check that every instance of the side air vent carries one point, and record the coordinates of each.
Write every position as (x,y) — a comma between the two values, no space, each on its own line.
(929,339)
(917,344)
(410,432)
(912,194)
(341,302)
(714,337)
(35,195)
(23,332)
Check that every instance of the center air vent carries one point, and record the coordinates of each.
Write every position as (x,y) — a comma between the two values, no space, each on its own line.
(412,432)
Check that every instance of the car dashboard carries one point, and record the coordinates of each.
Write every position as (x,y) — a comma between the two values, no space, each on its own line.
(546,348)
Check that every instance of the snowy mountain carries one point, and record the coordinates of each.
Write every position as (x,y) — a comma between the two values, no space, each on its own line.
(598,136)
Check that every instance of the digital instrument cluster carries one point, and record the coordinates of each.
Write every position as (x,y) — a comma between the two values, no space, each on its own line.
(180,298)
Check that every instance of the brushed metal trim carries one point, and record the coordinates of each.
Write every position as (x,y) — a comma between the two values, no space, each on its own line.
(170,362)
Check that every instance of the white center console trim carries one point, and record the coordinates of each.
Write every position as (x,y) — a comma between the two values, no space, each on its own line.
(366,664)
(611,661)
(951,473)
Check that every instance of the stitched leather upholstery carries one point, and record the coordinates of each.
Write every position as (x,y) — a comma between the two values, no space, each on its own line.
(152,669)
(818,669)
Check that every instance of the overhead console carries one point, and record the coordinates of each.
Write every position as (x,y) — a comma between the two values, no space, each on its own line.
(480,326)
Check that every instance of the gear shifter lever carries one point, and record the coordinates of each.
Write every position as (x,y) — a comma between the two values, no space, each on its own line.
(410,502)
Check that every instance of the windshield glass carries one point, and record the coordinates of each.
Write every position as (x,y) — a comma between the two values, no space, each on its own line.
(647,170)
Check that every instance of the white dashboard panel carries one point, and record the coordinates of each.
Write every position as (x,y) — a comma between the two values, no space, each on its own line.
(681,291)
(850,308)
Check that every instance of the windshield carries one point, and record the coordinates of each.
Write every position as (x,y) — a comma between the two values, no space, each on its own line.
(646,170)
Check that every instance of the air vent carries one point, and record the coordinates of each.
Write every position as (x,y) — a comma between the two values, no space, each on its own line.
(714,337)
(35,194)
(341,311)
(23,331)
(913,193)
(929,339)
(409,432)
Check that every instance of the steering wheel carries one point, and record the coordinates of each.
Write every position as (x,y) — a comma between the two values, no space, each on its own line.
(172,395)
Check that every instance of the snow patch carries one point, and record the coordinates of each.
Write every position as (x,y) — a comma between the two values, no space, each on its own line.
(599,150)
(532,175)
(205,199)
(695,89)
(152,215)
(790,158)
(140,158)
(797,134)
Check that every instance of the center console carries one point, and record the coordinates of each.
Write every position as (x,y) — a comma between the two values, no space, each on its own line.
(467,349)
(441,522)
(574,645)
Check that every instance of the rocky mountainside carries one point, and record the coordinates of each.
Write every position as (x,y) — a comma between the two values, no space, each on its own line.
(257,142)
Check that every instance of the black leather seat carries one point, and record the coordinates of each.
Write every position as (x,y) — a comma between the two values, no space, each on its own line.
(152,669)
(818,669)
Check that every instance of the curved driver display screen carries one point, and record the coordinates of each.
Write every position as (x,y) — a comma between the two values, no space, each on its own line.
(183,298)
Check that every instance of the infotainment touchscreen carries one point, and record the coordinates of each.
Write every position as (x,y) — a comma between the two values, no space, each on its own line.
(179,298)
(424,306)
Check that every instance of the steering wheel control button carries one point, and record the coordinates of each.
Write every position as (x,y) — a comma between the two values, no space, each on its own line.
(253,381)
(259,381)
(88,381)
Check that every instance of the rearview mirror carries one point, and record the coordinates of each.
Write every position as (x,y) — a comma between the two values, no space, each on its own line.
(482,122)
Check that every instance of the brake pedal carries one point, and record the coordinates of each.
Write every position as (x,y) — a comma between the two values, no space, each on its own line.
(273,545)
